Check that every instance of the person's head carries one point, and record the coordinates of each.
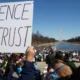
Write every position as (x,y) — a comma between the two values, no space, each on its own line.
(30,53)
(67,56)
(22,56)
(14,57)
(50,60)
(59,55)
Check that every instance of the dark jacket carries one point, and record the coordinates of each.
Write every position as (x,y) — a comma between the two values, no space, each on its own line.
(28,71)
(10,69)
(76,75)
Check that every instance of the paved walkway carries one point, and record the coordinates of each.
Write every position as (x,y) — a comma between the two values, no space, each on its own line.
(42,65)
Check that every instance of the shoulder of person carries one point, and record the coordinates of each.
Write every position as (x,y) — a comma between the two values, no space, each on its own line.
(28,63)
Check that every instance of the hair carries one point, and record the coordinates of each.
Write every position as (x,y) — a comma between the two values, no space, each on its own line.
(20,64)
(21,55)
(67,56)
(50,58)
(14,57)
(59,55)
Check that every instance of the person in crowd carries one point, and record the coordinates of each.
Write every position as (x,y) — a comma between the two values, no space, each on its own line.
(29,71)
(19,68)
(50,59)
(21,57)
(61,68)
(36,58)
(11,71)
(70,63)
(3,66)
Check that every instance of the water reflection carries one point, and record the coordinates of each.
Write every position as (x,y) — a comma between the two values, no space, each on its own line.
(67,46)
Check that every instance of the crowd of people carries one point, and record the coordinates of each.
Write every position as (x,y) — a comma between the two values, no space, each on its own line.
(19,66)
(43,51)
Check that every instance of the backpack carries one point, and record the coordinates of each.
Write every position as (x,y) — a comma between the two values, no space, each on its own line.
(53,75)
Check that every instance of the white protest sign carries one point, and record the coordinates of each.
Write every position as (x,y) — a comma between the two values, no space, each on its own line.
(15,26)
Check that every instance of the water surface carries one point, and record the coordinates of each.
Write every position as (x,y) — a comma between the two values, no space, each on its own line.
(67,46)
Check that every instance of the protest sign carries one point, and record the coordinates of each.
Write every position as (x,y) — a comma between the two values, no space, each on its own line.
(15,26)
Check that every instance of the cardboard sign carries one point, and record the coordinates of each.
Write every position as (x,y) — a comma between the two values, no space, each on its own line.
(15,26)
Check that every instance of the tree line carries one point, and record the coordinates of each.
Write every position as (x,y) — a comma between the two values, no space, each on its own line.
(76,39)
(38,38)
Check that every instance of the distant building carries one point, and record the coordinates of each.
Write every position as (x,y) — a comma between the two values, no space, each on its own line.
(60,35)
